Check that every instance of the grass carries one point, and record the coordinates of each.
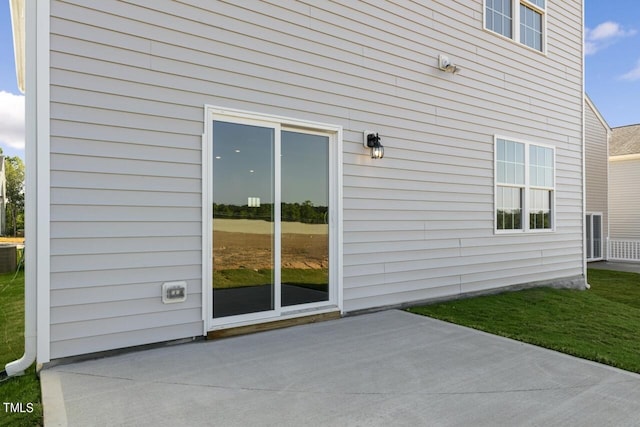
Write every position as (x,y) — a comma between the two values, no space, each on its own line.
(240,277)
(24,389)
(601,324)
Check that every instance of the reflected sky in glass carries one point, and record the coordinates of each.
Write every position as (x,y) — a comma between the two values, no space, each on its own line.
(243,165)
(305,173)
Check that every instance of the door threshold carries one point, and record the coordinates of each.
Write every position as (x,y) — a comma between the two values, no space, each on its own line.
(270,325)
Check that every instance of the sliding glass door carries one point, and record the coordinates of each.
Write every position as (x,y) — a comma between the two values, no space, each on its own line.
(270,205)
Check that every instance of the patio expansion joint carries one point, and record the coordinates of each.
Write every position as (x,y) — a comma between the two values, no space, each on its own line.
(353,393)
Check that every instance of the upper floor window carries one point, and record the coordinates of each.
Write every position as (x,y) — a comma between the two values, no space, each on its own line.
(520,20)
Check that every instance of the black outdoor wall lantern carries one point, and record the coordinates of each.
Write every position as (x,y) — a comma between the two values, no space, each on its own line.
(372,141)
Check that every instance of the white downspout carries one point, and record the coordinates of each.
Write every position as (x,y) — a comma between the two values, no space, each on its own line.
(584,164)
(20,10)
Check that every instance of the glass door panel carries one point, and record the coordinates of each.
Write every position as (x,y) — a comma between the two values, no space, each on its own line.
(597,236)
(243,219)
(305,218)
(594,236)
(589,238)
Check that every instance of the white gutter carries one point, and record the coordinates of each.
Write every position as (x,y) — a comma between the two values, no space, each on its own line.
(17,24)
(20,9)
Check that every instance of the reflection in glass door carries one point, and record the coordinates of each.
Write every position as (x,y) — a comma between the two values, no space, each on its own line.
(305,218)
(270,242)
(243,219)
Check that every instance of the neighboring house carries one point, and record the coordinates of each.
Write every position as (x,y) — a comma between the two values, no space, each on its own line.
(201,164)
(597,135)
(624,182)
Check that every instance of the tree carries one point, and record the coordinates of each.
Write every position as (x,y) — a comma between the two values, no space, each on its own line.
(14,172)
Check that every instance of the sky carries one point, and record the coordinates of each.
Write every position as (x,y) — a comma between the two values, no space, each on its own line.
(612,68)
(11,100)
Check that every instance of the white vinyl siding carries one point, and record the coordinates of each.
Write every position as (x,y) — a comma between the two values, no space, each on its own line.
(596,165)
(129,82)
(624,203)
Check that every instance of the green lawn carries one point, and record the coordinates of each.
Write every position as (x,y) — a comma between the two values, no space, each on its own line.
(24,389)
(601,324)
(240,277)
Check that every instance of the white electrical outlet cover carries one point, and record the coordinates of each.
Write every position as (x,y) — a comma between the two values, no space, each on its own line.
(173,292)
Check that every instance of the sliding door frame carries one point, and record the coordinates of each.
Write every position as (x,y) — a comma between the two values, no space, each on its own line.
(279,124)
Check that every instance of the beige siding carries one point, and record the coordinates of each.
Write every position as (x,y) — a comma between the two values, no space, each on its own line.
(596,162)
(624,181)
(129,81)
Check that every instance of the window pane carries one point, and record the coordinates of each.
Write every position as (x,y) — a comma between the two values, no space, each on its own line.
(541,156)
(597,236)
(520,153)
(509,208)
(489,15)
(589,241)
(540,166)
(501,149)
(519,174)
(511,152)
(510,162)
(507,27)
(548,158)
(533,154)
(530,27)
(540,209)
(533,176)
(541,180)
(507,7)
(499,17)
(548,177)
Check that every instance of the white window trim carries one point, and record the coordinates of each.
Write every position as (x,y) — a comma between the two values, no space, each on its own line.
(526,188)
(335,302)
(515,24)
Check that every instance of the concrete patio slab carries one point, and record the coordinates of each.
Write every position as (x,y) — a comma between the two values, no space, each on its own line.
(382,369)
(631,267)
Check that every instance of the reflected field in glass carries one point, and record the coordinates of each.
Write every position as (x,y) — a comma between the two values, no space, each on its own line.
(243,190)
(305,230)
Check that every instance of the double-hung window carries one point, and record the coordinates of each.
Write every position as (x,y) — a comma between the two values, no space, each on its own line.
(525,186)
(519,20)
